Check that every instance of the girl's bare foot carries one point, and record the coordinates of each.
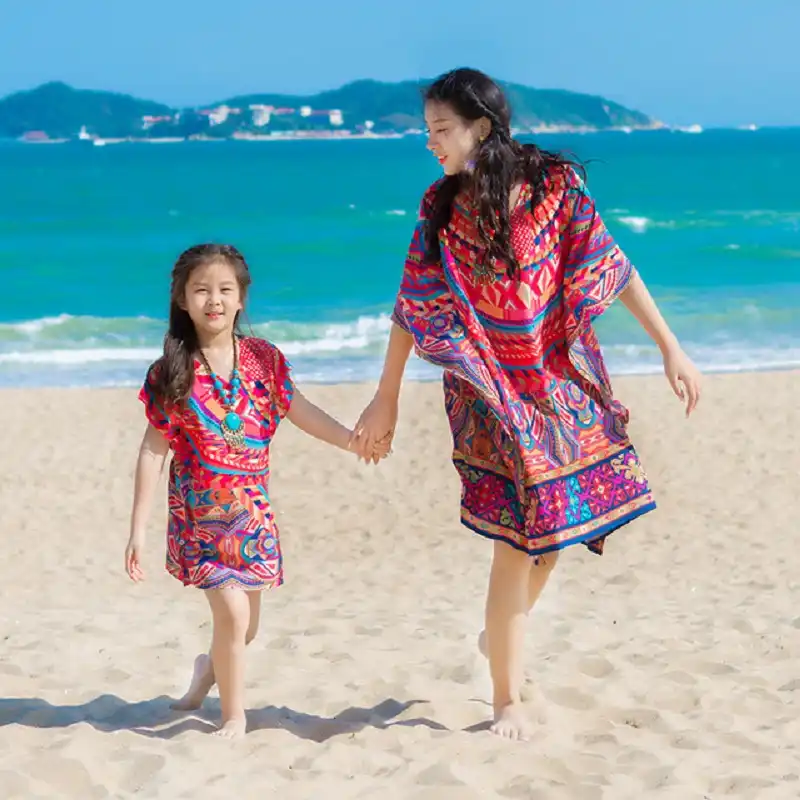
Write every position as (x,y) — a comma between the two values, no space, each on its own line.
(202,681)
(511,722)
(232,729)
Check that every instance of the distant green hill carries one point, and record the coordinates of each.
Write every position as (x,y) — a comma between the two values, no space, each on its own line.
(59,111)
(380,102)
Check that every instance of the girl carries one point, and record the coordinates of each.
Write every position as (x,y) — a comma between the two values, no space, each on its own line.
(507,268)
(215,398)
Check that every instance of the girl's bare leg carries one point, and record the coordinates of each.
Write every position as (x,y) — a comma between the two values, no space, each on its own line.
(231,611)
(515,583)
(203,674)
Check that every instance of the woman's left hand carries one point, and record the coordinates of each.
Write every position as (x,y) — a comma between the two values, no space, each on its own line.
(683,377)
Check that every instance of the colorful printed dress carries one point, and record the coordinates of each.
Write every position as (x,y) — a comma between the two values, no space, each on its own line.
(539,441)
(221,530)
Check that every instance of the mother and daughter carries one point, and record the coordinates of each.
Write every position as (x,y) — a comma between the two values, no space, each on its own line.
(507,268)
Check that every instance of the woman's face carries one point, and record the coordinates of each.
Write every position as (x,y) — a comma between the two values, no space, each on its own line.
(452,139)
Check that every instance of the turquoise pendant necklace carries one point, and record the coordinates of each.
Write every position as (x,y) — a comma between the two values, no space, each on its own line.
(231,423)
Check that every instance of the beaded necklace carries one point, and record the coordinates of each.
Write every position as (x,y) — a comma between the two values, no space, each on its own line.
(231,423)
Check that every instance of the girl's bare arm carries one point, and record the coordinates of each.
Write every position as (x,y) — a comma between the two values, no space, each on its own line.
(149,466)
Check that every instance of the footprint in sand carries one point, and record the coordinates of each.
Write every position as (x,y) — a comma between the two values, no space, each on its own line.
(678,700)
(568,697)
(738,784)
(658,778)
(595,667)
(714,668)
(457,673)
(684,741)
(637,759)
(684,678)
(647,718)
(559,647)
(603,744)
(282,643)
(743,626)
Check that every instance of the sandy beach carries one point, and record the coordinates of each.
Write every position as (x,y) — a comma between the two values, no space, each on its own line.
(668,668)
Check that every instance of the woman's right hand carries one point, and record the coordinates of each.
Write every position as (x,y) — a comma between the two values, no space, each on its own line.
(133,557)
(375,425)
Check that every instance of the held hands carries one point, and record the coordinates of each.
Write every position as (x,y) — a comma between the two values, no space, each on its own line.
(683,377)
(374,431)
(380,450)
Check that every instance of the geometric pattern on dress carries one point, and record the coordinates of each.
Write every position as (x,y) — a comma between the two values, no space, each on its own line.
(221,530)
(522,351)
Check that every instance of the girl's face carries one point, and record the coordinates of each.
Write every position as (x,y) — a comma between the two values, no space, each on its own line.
(212,298)
(451,138)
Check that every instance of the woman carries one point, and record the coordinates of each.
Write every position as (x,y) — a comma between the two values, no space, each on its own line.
(508,265)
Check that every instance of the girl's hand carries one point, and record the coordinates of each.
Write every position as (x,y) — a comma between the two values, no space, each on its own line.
(683,377)
(374,430)
(383,447)
(133,558)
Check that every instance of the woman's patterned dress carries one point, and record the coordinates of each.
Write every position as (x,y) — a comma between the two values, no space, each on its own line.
(539,441)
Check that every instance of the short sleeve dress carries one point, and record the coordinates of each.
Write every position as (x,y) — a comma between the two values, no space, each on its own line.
(540,443)
(221,530)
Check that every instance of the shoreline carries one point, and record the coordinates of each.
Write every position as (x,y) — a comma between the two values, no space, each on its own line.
(656,373)
(548,130)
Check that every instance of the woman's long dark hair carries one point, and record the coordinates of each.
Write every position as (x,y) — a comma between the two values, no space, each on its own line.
(173,374)
(500,162)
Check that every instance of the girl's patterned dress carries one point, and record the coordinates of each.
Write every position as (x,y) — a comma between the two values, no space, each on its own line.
(539,441)
(221,529)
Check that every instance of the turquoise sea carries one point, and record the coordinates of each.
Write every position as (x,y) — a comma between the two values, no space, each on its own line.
(88,236)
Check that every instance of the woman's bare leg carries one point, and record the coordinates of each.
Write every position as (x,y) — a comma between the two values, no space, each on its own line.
(539,574)
(515,584)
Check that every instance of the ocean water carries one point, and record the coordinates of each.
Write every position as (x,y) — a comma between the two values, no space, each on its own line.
(88,236)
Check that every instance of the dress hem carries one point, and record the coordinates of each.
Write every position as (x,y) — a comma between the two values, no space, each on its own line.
(230,582)
(585,538)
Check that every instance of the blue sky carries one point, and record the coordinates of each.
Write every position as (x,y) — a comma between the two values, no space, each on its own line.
(716,62)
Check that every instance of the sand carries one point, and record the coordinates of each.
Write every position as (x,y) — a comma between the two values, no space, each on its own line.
(669,667)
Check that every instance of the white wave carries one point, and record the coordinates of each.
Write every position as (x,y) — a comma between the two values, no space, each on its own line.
(33,326)
(733,357)
(324,345)
(636,224)
(308,339)
(643,224)
(80,356)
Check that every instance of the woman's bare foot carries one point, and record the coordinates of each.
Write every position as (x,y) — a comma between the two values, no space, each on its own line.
(529,691)
(232,729)
(202,681)
(511,722)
